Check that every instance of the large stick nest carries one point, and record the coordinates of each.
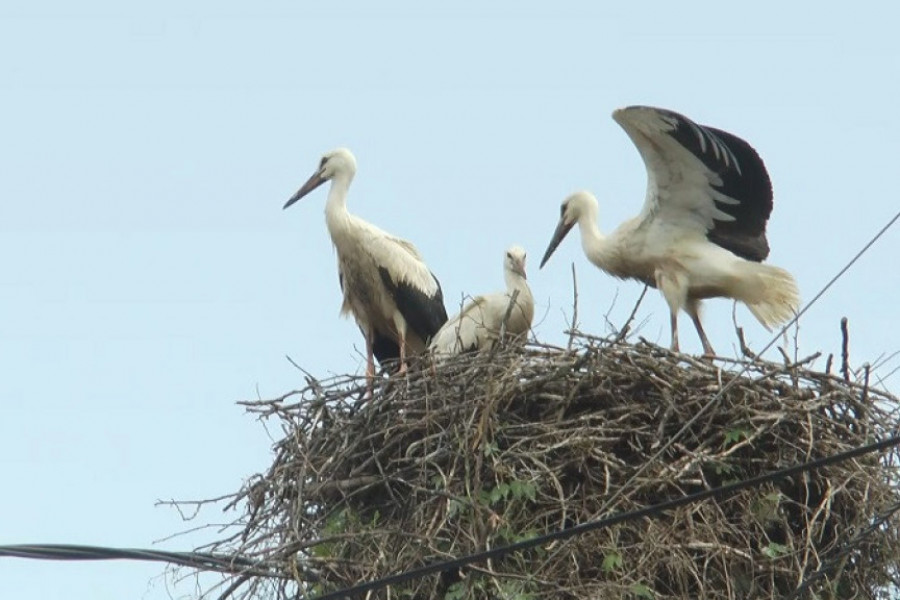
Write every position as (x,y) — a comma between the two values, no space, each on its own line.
(484,451)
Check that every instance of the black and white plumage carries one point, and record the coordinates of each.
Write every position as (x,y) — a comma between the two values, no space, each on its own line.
(478,325)
(702,230)
(396,301)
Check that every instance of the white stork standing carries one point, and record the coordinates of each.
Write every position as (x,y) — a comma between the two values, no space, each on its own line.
(396,301)
(477,327)
(702,230)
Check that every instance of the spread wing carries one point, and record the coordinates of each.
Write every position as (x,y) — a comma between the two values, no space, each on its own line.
(701,178)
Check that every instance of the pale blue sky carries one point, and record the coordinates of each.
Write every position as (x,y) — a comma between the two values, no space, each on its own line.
(150,279)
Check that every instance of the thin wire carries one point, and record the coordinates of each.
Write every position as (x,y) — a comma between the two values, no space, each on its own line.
(646,512)
(198,560)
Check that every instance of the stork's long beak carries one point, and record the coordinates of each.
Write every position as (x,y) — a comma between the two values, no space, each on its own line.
(312,183)
(562,228)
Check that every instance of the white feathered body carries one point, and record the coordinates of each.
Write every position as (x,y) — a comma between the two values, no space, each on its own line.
(667,245)
(363,251)
(478,325)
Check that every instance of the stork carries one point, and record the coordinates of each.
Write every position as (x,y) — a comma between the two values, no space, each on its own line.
(396,301)
(702,230)
(478,325)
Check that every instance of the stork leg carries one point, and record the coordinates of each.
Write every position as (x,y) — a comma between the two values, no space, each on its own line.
(402,370)
(400,325)
(673,284)
(674,325)
(693,309)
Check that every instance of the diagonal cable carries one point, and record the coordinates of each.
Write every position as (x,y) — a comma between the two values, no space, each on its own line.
(199,560)
(652,511)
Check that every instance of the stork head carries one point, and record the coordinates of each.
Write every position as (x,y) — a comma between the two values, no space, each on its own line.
(579,205)
(336,163)
(514,261)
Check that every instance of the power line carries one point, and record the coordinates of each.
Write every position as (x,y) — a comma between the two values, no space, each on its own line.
(236,564)
(647,512)
(198,560)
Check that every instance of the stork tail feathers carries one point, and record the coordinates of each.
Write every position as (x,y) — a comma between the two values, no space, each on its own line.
(774,299)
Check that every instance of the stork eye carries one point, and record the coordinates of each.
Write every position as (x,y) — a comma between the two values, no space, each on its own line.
(322,162)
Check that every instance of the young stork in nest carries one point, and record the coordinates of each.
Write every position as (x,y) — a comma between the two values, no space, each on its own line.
(396,301)
(702,230)
(477,327)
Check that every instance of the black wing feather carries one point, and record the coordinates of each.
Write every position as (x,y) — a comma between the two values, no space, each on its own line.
(386,349)
(423,313)
(744,177)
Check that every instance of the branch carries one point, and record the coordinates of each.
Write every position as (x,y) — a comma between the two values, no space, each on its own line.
(509,309)
(574,326)
(627,326)
(845,350)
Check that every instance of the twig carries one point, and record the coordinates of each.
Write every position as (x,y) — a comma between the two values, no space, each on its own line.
(863,416)
(235,584)
(574,326)
(745,350)
(845,350)
(507,315)
(623,332)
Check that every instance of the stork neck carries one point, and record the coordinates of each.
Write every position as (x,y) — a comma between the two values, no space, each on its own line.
(514,281)
(336,207)
(517,283)
(592,241)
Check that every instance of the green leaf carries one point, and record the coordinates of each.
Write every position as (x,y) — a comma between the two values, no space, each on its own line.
(612,561)
(490,449)
(642,591)
(457,591)
(735,435)
(774,550)
(773,498)
(323,550)
(456,507)
(498,493)
(766,508)
(337,522)
(724,469)
(523,489)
